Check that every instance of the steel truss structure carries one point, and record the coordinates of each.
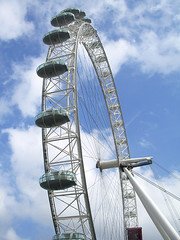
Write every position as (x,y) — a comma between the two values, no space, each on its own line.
(70,208)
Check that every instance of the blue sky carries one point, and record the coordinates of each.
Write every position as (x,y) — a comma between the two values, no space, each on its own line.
(142,42)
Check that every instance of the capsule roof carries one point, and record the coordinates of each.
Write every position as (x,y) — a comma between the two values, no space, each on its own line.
(88,20)
(56,36)
(62,19)
(51,69)
(77,12)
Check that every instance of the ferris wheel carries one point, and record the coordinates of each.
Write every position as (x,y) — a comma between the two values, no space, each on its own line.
(68,82)
(83,133)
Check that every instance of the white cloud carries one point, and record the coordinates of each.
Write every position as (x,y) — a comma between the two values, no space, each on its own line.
(162,201)
(27,167)
(159,54)
(13,19)
(153,53)
(11,235)
(137,40)
(21,196)
(146,34)
(27,92)
(8,200)
(118,53)
(19,184)
(5,107)
(25,193)
(146,144)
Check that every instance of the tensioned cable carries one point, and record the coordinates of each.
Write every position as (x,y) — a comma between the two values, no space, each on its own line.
(169,205)
(157,186)
(111,186)
(90,117)
(116,213)
(97,140)
(111,201)
(86,118)
(163,168)
(99,98)
(92,78)
(104,137)
(113,218)
(92,105)
(107,192)
(89,77)
(172,210)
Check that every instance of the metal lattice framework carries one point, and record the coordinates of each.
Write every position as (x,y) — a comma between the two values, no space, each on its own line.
(62,149)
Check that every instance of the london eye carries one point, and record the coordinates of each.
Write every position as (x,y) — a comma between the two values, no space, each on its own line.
(83,133)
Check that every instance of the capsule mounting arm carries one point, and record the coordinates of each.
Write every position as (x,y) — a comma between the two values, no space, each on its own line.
(129,163)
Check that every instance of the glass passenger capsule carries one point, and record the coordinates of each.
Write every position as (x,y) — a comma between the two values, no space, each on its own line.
(51,118)
(62,19)
(51,69)
(69,236)
(57,180)
(77,13)
(56,37)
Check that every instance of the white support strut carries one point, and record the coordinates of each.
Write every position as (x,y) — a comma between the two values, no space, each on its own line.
(160,221)
(132,162)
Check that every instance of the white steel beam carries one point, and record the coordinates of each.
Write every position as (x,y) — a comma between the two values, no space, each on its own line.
(165,228)
(123,163)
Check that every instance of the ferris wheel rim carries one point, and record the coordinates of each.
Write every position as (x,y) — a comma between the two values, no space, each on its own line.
(110,111)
